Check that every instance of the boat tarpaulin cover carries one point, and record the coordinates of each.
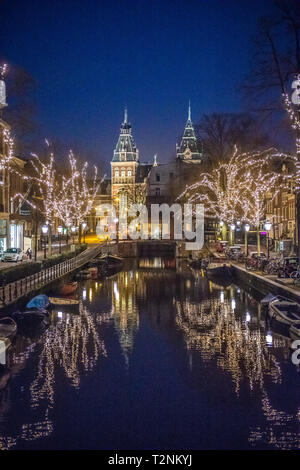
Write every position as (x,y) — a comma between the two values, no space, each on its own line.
(40,302)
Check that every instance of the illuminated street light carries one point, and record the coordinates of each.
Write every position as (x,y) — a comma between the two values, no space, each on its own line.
(268,227)
(247,228)
(45,229)
(232,229)
(60,231)
(84,225)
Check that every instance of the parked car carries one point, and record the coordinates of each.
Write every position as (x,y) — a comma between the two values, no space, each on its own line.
(12,254)
(233,250)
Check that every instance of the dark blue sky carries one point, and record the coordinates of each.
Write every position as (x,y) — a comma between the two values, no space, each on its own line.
(90,57)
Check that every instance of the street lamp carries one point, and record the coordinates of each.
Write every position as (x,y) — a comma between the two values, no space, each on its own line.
(268,227)
(73,230)
(84,225)
(45,229)
(247,228)
(232,229)
(60,231)
(116,220)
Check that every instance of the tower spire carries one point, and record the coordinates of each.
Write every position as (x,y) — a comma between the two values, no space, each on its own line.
(125,115)
(188,148)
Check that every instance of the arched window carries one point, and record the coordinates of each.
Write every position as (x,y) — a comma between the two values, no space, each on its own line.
(129,173)
(123,173)
(116,173)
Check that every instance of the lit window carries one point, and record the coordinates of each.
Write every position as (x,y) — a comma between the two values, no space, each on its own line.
(117,174)
(123,173)
(129,173)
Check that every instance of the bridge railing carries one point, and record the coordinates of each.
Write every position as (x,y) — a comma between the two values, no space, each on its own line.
(17,289)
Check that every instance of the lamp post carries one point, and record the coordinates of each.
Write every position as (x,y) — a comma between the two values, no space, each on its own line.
(84,224)
(60,231)
(116,220)
(247,228)
(221,224)
(44,232)
(232,229)
(268,226)
(73,230)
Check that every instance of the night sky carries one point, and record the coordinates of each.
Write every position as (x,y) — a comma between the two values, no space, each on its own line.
(90,57)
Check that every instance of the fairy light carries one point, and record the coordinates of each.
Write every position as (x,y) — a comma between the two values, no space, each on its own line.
(7,155)
(67,198)
(3,69)
(76,197)
(236,190)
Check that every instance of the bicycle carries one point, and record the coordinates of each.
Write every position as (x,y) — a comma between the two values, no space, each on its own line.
(295,275)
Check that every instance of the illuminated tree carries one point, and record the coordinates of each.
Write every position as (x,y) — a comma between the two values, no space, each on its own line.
(237,189)
(77,193)
(135,193)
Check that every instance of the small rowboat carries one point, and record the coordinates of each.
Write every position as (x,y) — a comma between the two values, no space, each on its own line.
(68,288)
(83,275)
(62,301)
(284,311)
(32,316)
(72,305)
(8,328)
(295,330)
(110,260)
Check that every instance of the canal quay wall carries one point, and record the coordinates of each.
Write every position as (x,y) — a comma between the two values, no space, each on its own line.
(263,284)
(14,291)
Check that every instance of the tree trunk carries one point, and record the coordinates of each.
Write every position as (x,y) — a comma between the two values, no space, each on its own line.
(50,240)
(79,233)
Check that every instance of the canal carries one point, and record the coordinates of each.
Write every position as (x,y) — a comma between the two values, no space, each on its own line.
(159,358)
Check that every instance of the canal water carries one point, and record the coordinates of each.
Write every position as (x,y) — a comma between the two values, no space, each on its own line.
(159,358)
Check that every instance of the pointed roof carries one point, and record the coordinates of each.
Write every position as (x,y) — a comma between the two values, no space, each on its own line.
(125,149)
(188,148)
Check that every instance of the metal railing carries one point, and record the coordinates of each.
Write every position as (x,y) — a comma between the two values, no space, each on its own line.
(15,290)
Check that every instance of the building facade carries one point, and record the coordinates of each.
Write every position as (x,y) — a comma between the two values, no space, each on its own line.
(125,161)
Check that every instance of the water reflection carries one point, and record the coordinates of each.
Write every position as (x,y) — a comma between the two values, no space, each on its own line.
(208,330)
(70,347)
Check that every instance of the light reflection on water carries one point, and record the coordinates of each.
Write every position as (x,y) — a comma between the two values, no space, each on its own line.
(157,358)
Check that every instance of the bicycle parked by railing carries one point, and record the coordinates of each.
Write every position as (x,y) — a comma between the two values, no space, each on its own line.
(295,276)
(272,266)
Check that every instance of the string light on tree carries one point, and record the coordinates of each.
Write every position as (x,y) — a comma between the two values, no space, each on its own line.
(3,69)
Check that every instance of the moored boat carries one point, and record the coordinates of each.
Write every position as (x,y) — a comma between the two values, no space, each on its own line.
(83,275)
(32,315)
(68,288)
(110,260)
(72,305)
(295,330)
(63,301)
(8,328)
(39,302)
(284,311)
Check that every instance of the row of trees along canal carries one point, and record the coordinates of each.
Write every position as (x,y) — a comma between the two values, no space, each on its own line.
(244,174)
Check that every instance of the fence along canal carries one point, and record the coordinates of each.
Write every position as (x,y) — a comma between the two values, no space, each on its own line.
(13,291)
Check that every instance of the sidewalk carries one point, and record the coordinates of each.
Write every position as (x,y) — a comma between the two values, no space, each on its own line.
(40,256)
